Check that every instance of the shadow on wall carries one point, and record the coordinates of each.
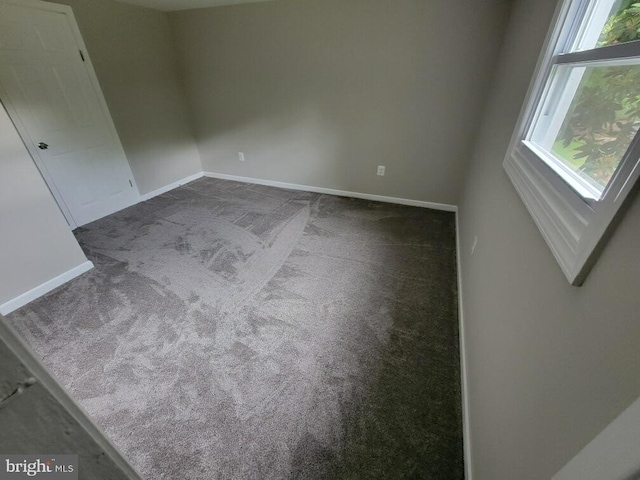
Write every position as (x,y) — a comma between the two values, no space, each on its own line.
(302,145)
(350,85)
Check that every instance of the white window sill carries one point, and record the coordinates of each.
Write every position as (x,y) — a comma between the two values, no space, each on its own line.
(587,192)
(575,229)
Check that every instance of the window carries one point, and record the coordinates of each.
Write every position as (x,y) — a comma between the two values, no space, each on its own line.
(574,155)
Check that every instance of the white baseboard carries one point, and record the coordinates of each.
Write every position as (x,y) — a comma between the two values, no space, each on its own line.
(171,186)
(46,287)
(295,186)
(466,427)
(331,191)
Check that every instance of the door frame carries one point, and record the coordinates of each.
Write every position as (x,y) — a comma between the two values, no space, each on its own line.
(13,114)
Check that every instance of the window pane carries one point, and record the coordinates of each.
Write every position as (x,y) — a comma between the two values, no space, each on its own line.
(593,116)
(623,24)
(610,22)
(602,119)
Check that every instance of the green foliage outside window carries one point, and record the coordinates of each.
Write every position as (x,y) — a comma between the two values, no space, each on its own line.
(605,112)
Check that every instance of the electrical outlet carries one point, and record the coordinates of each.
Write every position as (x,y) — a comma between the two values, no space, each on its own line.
(475,244)
(381,170)
(241,156)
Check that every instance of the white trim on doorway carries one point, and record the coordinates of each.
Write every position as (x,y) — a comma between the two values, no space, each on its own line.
(67,11)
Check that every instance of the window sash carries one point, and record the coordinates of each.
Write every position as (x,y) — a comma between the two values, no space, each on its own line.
(574,226)
(589,18)
(622,52)
(552,107)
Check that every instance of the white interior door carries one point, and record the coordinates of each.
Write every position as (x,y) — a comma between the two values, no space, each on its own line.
(50,91)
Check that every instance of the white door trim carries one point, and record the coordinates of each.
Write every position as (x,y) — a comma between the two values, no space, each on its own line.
(35,156)
(73,24)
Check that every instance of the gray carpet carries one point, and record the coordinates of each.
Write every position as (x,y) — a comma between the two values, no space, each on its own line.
(235,331)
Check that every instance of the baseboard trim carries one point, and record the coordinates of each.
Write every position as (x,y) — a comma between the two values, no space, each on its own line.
(171,186)
(331,191)
(46,287)
(466,427)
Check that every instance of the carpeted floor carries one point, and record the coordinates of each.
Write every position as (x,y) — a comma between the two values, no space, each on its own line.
(235,331)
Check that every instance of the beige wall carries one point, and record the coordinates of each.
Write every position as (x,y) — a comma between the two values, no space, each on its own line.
(549,365)
(321,92)
(133,53)
(36,243)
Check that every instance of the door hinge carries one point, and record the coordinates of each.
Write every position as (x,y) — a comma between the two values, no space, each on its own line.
(131,183)
(81,55)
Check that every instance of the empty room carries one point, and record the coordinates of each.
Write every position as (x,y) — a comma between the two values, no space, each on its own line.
(319,239)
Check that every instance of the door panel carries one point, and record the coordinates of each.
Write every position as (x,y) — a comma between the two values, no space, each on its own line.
(48,87)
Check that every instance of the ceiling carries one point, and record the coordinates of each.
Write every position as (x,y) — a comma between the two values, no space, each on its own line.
(170,5)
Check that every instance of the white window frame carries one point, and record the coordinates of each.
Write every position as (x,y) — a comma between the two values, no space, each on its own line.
(574,220)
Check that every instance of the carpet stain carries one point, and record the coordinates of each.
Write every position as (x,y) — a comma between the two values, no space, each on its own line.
(236,331)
